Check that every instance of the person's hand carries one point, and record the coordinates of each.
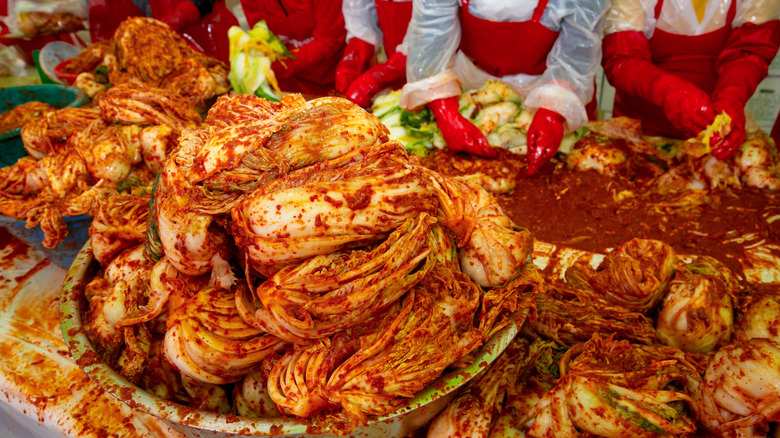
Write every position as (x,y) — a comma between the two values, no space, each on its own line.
(628,65)
(459,133)
(736,135)
(356,59)
(544,138)
(376,79)
(740,67)
(687,107)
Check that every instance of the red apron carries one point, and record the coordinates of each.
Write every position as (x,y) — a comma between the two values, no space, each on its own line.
(393,18)
(689,57)
(295,20)
(504,48)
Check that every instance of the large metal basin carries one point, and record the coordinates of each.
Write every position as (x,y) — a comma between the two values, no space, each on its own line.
(423,407)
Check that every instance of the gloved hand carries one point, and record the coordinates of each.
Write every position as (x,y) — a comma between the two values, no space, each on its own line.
(544,138)
(685,105)
(741,67)
(376,79)
(628,65)
(181,15)
(459,133)
(736,135)
(356,59)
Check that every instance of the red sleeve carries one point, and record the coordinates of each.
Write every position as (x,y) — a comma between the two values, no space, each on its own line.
(329,35)
(757,43)
(745,60)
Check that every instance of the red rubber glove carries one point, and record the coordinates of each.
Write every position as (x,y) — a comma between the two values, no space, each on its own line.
(356,59)
(376,79)
(544,138)
(628,65)
(736,136)
(459,133)
(181,15)
(741,66)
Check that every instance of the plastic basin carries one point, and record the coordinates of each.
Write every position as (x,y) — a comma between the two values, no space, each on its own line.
(59,96)
(64,254)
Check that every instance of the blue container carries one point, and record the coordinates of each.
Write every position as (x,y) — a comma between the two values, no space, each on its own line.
(60,96)
(65,252)
(12,149)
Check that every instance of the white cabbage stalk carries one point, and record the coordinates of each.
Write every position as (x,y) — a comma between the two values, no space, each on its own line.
(758,162)
(492,248)
(44,136)
(434,329)
(208,341)
(184,212)
(136,103)
(157,142)
(296,382)
(614,389)
(331,293)
(239,148)
(472,411)
(697,314)
(110,151)
(119,223)
(566,315)
(295,131)
(760,318)
(251,55)
(296,218)
(741,389)
(483,407)
(119,291)
(251,398)
(205,396)
(635,275)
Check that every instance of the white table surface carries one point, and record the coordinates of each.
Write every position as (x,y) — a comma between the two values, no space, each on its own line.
(43,393)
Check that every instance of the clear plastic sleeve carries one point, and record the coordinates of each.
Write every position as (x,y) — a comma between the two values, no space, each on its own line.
(434,35)
(360,20)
